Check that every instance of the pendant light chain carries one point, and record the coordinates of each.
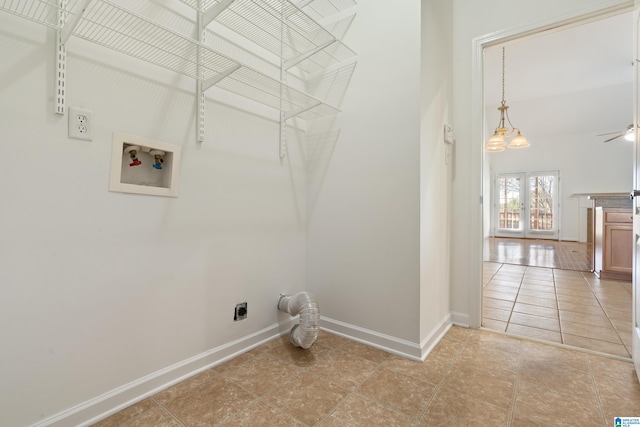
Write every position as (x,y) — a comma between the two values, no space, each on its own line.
(503,101)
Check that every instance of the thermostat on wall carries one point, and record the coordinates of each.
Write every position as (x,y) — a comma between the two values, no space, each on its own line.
(448,134)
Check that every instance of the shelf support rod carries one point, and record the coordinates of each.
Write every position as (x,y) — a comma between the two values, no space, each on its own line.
(214,11)
(60,72)
(69,26)
(282,144)
(212,81)
(295,61)
(61,61)
(200,100)
(301,110)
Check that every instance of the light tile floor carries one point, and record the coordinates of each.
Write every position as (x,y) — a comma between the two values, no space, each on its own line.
(569,307)
(472,377)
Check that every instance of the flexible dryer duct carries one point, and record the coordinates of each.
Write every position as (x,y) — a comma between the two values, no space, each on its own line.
(304,334)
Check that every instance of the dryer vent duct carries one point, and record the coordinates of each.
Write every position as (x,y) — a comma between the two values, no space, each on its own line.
(303,303)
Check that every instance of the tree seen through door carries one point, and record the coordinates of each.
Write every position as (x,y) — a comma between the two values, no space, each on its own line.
(541,202)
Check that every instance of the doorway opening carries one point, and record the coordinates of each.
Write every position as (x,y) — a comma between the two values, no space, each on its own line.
(531,219)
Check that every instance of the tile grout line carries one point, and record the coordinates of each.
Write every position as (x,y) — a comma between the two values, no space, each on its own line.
(594,387)
(606,315)
(514,399)
(438,386)
(352,392)
(355,391)
(340,402)
(273,406)
(555,290)
(166,410)
(515,299)
(263,398)
(256,397)
(482,296)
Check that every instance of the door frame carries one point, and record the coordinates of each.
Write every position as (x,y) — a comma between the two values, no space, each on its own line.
(582,16)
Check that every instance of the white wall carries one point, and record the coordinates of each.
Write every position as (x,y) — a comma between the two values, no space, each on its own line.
(436,166)
(474,20)
(100,289)
(364,223)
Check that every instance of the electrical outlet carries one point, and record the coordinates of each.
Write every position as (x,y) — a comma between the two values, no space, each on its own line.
(80,123)
(240,312)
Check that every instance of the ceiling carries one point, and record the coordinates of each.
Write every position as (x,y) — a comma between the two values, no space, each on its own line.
(568,81)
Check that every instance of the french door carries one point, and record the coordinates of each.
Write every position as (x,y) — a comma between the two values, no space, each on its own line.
(526,205)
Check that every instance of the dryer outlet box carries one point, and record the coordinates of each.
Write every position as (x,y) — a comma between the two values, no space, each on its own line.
(240,312)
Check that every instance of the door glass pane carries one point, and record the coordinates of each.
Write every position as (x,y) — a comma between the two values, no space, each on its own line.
(509,203)
(541,189)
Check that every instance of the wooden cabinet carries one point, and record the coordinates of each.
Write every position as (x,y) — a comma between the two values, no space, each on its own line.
(613,243)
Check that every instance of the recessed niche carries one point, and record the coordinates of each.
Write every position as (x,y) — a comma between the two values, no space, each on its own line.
(144,166)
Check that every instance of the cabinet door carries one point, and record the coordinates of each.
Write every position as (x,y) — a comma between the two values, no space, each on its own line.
(619,245)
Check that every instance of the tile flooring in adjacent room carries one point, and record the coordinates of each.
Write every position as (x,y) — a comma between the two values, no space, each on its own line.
(569,307)
(472,377)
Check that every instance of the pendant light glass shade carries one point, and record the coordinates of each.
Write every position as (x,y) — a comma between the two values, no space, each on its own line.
(496,140)
(518,141)
(494,148)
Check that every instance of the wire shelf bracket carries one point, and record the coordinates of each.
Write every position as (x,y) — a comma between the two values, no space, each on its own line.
(200,99)
(61,59)
(212,81)
(292,62)
(301,110)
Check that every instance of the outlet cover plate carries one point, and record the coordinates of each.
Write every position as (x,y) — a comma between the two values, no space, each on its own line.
(80,124)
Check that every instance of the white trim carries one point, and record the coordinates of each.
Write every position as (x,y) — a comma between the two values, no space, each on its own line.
(102,406)
(394,345)
(594,12)
(635,348)
(434,337)
(404,348)
(460,319)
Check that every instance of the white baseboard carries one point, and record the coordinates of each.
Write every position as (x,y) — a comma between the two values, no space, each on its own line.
(379,340)
(434,337)
(404,348)
(115,400)
(460,319)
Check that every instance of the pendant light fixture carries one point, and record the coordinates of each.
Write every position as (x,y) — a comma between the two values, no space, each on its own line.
(497,141)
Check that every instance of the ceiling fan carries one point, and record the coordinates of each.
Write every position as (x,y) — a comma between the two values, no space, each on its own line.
(628,134)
